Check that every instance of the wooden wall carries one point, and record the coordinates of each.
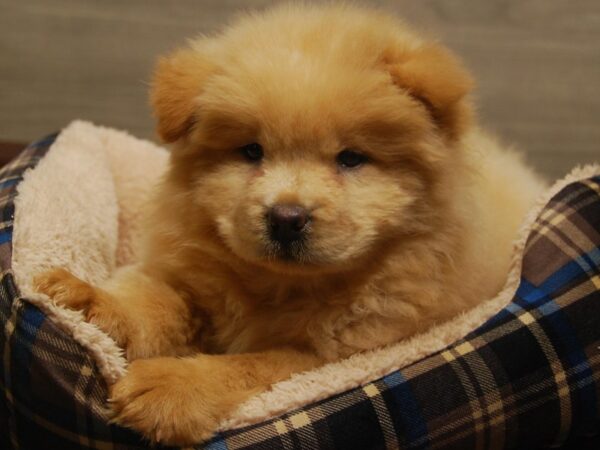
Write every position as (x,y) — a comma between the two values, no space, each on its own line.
(537,63)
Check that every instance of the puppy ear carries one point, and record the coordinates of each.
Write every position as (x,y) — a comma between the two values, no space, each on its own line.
(435,77)
(177,83)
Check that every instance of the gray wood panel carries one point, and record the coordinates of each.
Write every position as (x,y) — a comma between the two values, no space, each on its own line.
(537,63)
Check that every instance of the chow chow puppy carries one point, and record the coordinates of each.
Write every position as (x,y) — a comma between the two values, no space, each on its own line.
(328,192)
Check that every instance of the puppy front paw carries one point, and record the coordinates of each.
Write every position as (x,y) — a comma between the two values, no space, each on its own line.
(169,400)
(65,288)
(69,291)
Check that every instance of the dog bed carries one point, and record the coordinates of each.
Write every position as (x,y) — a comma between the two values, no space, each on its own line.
(521,370)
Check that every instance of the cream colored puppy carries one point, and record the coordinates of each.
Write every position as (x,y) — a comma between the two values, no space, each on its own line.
(329,192)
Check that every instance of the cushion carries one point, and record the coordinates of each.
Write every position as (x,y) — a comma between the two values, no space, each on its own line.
(519,370)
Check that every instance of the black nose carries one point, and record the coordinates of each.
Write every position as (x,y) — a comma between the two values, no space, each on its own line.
(287,223)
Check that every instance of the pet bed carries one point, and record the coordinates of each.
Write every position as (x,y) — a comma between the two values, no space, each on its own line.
(521,370)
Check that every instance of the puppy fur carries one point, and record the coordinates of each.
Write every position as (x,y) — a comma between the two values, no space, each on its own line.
(418,232)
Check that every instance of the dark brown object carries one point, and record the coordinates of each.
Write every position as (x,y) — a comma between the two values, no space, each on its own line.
(8,150)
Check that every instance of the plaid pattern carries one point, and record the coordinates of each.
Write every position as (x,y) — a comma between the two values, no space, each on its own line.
(527,378)
(51,393)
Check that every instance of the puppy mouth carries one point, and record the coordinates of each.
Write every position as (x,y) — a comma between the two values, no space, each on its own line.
(294,252)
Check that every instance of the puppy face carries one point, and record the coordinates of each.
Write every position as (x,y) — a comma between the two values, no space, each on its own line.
(305,157)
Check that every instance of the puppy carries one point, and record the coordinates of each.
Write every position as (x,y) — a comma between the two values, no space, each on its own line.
(328,192)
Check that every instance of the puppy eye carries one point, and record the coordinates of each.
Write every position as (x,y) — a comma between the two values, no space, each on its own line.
(252,152)
(349,159)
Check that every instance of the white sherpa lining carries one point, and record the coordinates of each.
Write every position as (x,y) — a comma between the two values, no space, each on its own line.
(80,209)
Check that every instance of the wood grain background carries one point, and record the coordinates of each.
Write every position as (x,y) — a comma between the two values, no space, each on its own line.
(537,63)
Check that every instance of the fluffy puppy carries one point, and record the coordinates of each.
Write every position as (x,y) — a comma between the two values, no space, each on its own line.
(328,193)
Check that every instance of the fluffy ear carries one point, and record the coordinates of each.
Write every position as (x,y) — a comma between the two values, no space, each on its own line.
(177,82)
(434,76)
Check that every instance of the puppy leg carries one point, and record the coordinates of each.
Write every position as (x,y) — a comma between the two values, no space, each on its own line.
(180,401)
(143,315)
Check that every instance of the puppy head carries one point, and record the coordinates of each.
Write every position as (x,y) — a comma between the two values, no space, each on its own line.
(310,138)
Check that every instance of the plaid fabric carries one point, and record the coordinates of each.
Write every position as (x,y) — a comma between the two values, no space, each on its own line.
(52,395)
(527,378)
